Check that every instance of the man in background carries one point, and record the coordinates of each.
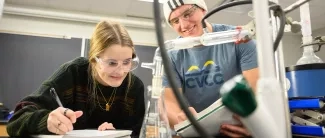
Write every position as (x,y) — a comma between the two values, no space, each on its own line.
(201,70)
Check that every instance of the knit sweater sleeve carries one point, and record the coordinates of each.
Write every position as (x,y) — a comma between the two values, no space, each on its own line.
(139,106)
(31,113)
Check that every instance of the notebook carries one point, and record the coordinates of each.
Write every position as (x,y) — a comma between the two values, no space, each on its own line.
(91,134)
(210,119)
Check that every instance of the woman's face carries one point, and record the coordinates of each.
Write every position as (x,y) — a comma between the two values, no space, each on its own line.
(113,65)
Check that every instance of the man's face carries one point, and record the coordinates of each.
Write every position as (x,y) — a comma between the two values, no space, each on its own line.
(186,20)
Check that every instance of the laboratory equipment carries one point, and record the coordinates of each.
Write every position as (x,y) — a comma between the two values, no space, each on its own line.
(277,21)
(309,66)
(308,51)
(295,27)
(318,41)
(268,85)
(225,37)
(306,98)
(306,80)
(239,98)
(307,116)
(309,56)
(239,35)
(305,83)
(155,124)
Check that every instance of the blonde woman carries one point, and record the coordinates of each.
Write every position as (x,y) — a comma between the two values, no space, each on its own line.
(96,93)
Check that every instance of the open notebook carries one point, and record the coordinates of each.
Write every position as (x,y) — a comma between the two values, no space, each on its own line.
(91,134)
(210,119)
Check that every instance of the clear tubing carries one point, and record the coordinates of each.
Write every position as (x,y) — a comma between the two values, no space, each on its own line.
(215,38)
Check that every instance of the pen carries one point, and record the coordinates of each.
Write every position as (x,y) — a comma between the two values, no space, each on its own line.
(56,97)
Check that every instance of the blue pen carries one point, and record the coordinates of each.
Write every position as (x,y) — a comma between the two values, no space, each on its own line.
(55,96)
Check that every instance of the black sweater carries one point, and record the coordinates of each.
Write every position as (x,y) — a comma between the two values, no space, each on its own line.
(72,83)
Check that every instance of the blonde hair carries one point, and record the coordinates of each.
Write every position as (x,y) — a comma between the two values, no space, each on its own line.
(106,33)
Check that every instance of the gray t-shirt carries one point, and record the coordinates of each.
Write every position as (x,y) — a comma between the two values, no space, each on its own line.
(201,71)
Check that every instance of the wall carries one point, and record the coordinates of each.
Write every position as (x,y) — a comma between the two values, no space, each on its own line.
(59,28)
(144,37)
(320,32)
(1,95)
(29,60)
(291,49)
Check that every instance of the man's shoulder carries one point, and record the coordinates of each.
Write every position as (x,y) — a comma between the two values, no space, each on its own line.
(176,54)
(173,53)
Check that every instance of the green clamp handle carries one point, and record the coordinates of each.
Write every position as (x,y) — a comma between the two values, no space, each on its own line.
(238,96)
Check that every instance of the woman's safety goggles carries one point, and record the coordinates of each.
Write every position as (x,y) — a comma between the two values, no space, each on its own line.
(111,65)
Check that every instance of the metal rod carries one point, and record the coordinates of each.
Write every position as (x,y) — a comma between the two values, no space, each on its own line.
(280,69)
(264,40)
(295,5)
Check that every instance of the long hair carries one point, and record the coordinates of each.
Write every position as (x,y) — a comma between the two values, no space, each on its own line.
(106,33)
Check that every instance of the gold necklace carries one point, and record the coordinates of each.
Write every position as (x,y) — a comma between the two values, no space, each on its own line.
(110,102)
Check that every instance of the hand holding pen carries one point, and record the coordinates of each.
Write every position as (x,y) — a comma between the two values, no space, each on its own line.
(61,120)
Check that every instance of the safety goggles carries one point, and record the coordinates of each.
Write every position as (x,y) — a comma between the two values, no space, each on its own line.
(111,65)
(186,15)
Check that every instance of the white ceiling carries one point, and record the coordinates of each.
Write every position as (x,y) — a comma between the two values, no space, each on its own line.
(236,16)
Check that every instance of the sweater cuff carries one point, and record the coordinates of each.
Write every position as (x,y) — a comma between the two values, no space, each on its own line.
(38,122)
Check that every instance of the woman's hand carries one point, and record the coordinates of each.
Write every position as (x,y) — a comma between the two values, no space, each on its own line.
(106,126)
(61,119)
(234,131)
